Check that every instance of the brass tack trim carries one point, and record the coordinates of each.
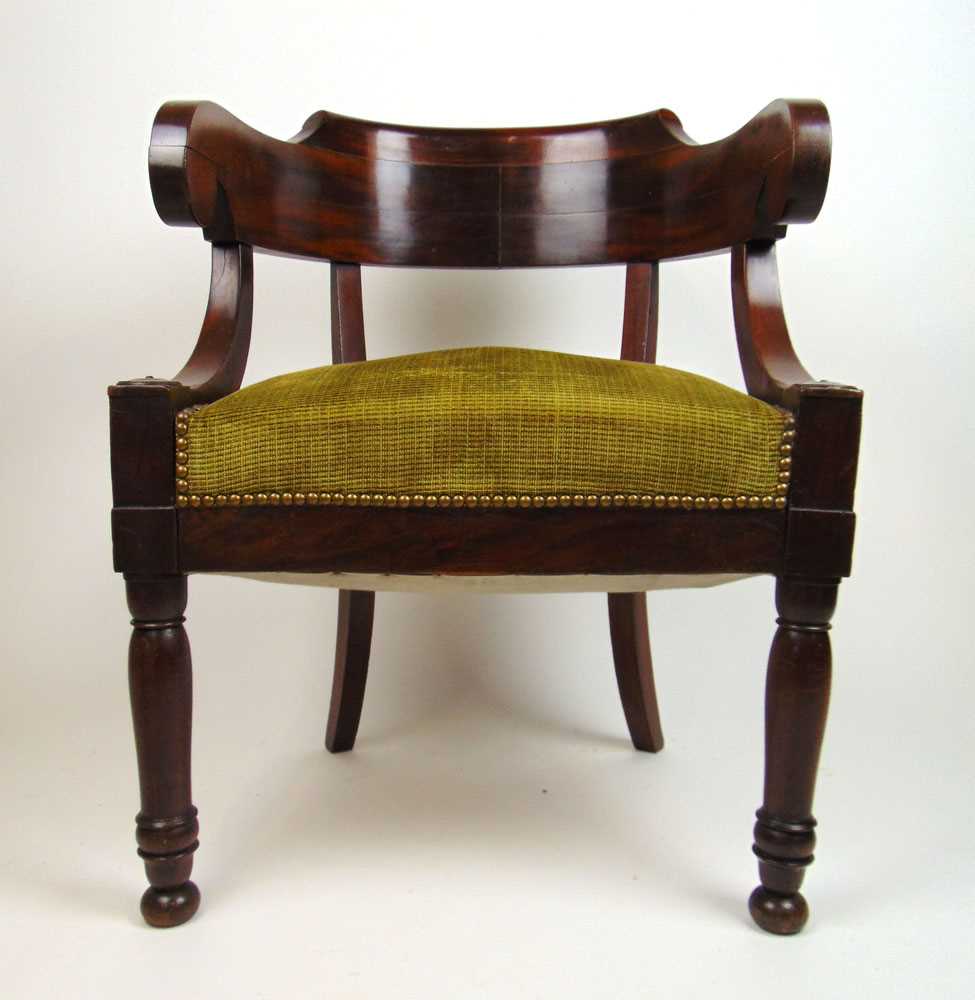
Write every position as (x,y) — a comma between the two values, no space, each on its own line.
(659,501)
(549,501)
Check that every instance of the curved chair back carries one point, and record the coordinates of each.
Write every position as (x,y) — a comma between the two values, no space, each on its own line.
(634,189)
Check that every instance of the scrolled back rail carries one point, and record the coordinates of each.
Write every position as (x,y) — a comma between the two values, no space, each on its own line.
(608,192)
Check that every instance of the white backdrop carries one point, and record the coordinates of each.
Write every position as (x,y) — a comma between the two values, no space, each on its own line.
(430,862)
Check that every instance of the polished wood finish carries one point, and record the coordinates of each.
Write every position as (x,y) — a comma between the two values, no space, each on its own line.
(633,191)
(354,636)
(640,312)
(356,607)
(479,542)
(629,632)
(348,325)
(796,699)
(770,366)
(160,684)
(216,366)
(628,626)
(600,193)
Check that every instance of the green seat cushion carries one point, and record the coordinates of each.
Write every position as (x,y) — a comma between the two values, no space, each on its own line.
(485,426)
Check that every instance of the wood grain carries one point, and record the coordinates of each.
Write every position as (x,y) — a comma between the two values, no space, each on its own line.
(161,688)
(604,192)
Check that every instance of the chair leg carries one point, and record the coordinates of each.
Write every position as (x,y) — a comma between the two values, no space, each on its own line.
(634,669)
(351,666)
(161,689)
(796,701)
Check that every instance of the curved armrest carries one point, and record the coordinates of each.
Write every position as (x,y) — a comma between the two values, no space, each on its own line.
(770,366)
(216,366)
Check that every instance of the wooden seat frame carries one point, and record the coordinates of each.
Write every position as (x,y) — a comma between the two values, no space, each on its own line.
(632,191)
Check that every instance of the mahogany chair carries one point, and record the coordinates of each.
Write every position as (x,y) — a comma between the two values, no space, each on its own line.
(487,462)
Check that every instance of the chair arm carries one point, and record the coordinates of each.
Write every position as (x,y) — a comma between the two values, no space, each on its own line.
(216,366)
(822,461)
(771,368)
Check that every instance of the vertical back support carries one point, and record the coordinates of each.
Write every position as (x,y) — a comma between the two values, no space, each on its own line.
(640,312)
(356,607)
(628,627)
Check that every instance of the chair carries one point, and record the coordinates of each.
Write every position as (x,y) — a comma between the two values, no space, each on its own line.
(487,462)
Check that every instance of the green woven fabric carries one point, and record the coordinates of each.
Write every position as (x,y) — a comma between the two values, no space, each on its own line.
(486,420)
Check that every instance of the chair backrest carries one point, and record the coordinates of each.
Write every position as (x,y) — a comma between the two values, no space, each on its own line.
(634,189)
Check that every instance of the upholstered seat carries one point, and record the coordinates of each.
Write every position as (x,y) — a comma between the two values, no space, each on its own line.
(485,426)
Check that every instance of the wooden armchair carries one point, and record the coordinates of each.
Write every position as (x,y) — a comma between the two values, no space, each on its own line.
(490,461)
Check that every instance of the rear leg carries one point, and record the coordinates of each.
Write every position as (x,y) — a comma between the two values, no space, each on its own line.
(630,636)
(351,666)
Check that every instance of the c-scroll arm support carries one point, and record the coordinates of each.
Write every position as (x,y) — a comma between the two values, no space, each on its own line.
(142,411)
(216,366)
(769,363)
(823,459)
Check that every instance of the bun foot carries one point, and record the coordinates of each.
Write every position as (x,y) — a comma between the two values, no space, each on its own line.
(777,913)
(170,907)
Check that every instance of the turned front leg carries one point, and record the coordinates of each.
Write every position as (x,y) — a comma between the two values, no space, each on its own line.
(796,701)
(161,688)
